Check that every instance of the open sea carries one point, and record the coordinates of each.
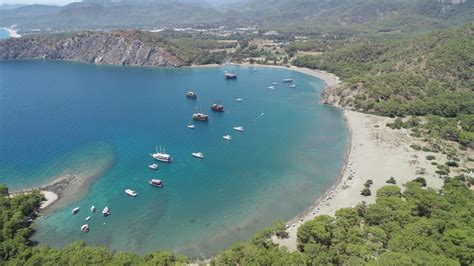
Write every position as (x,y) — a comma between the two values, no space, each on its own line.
(60,118)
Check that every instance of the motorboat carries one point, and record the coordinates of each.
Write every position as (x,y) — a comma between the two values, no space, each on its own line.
(191,126)
(229,75)
(130,192)
(199,155)
(161,155)
(292,86)
(191,95)
(75,210)
(275,83)
(92,208)
(240,129)
(271,87)
(153,166)
(88,218)
(155,182)
(227,137)
(106,211)
(85,228)
(200,117)
(239,99)
(287,80)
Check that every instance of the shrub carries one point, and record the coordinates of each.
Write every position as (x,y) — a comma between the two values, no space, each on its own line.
(420,180)
(368,183)
(430,157)
(425,149)
(415,147)
(391,181)
(452,164)
(366,192)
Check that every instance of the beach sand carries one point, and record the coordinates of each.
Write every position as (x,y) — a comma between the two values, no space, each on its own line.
(377,152)
(50,198)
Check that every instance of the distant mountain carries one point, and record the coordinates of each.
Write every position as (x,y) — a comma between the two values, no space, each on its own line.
(294,16)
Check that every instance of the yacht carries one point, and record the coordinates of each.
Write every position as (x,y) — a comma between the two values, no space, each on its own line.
(227,137)
(239,99)
(105,211)
(153,166)
(240,129)
(92,208)
(229,75)
(191,126)
(130,192)
(161,155)
(191,95)
(217,107)
(200,117)
(292,86)
(199,155)
(155,182)
(75,210)
(287,80)
(274,83)
(88,218)
(85,228)
(271,87)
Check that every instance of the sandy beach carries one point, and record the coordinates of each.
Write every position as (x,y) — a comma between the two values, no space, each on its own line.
(377,152)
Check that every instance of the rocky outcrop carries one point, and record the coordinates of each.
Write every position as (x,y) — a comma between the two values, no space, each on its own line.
(117,48)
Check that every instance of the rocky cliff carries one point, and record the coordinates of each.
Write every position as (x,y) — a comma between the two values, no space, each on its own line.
(118,48)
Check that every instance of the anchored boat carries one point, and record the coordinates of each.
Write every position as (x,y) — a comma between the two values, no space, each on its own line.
(191,95)
(85,228)
(153,166)
(75,210)
(227,137)
(130,192)
(199,155)
(155,182)
(106,212)
(229,75)
(217,107)
(200,117)
(161,155)
(240,129)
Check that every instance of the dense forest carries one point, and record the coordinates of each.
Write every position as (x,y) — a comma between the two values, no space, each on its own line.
(415,226)
(425,74)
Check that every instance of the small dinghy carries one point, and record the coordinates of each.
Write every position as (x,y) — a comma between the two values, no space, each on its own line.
(92,208)
(106,211)
(240,129)
(75,210)
(88,218)
(153,166)
(227,137)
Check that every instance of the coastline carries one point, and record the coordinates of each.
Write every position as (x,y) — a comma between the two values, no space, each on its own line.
(375,152)
(13,33)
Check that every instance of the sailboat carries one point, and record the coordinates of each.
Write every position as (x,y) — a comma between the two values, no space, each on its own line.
(161,155)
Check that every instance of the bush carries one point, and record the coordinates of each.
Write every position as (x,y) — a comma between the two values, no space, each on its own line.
(426,149)
(415,147)
(430,157)
(452,164)
(368,183)
(391,181)
(366,192)
(420,180)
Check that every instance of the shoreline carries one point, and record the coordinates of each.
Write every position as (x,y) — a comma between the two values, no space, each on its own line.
(12,32)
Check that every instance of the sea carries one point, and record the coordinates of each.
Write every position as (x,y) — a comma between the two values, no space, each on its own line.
(4,34)
(102,123)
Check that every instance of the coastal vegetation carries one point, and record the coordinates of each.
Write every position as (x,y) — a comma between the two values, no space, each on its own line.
(415,226)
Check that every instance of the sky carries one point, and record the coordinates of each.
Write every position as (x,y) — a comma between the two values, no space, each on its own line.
(55,2)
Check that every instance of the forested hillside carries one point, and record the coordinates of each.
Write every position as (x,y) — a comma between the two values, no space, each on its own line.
(429,74)
(417,226)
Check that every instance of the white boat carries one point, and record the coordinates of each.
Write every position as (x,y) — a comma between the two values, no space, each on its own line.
(239,99)
(191,126)
(227,137)
(161,155)
(106,211)
(199,155)
(274,83)
(240,129)
(92,208)
(85,228)
(292,86)
(271,87)
(155,182)
(287,80)
(153,166)
(88,218)
(130,192)
(75,210)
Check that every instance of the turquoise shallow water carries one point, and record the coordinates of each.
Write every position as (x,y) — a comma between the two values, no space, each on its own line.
(4,34)
(61,117)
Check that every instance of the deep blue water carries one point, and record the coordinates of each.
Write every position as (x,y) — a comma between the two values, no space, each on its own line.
(68,118)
